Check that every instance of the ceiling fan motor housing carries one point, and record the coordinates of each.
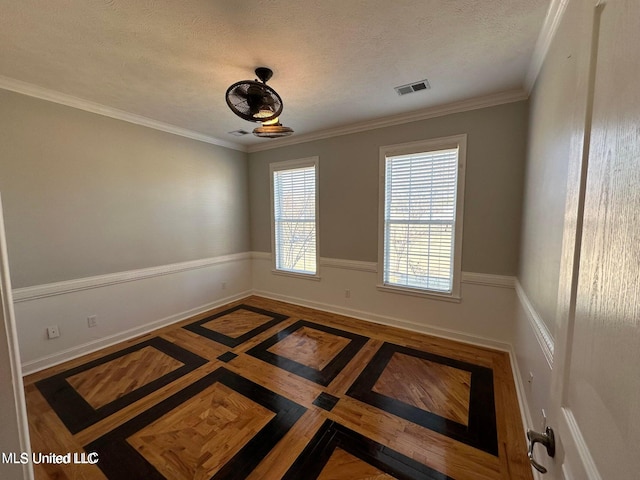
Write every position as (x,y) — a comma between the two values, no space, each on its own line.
(264,74)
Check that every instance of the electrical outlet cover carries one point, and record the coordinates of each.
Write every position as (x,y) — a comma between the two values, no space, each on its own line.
(53,332)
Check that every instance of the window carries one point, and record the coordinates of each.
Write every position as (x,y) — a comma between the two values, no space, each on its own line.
(294,207)
(421,191)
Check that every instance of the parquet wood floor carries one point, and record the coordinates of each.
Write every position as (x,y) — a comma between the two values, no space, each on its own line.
(412,399)
(237,323)
(111,380)
(202,435)
(427,385)
(312,348)
(344,466)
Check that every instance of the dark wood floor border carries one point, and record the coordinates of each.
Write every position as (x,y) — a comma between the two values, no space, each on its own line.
(481,431)
(196,327)
(119,460)
(77,414)
(332,435)
(329,372)
(326,401)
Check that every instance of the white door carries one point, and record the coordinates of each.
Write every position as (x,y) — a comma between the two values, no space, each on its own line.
(596,377)
(14,433)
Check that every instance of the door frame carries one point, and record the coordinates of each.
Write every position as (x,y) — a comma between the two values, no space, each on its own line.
(10,348)
(574,460)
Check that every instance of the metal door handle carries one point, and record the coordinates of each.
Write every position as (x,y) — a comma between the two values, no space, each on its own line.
(547,439)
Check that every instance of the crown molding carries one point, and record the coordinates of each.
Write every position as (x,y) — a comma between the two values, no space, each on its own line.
(415,116)
(41,93)
(549,28)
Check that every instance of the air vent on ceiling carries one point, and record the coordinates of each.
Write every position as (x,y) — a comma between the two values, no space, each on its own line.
(413,87)
(239,133)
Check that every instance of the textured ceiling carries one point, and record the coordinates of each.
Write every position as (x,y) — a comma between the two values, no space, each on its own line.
(335,62)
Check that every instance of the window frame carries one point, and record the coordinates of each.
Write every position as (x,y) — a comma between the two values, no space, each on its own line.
(291,165)
(442,143)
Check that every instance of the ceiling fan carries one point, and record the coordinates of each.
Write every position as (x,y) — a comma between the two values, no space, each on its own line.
(255,101)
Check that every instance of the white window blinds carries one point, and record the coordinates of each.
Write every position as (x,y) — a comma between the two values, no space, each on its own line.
(294,206)
(419,220)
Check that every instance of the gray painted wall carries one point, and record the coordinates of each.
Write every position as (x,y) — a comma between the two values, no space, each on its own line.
(348,186)
(87,195)
(556,115)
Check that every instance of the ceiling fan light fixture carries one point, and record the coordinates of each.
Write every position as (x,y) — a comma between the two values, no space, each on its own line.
(276,130)
(273,121)
(265,112)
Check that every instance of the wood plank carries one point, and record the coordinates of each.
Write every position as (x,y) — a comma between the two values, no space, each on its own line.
(278,461)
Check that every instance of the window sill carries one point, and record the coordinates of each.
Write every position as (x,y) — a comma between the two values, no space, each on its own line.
(305,276)
(414,292)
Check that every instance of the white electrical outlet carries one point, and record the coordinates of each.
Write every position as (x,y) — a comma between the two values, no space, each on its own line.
(347,293)
(92,321)
(53,332)
(224,285)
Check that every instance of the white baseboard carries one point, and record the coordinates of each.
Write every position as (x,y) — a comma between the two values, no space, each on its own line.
(525,412)
(126,305)
(522,398)
(532,354)
(134,303)
(92,346)
(584,465)
(389,321)
(483,316)
(130,304)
